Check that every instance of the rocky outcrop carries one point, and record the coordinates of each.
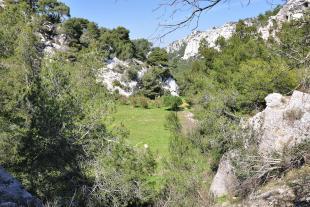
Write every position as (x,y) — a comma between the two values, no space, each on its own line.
(291,190)
(12,193)
(293,9)
(192,42)
(52,40)
(113,76)
(283,124)
(225,182)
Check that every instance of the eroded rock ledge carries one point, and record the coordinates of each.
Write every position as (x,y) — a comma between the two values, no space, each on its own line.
(284,123)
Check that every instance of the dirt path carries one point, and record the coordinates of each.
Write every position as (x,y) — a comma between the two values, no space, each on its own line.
(188,122)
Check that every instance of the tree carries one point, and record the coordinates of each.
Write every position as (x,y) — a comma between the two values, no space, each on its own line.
(53,10)
(74,28)
(158,57)
(142,48)
(173,102)
(117,43)
(208,53)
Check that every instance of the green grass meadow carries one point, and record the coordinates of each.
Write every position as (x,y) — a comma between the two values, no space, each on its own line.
(146,126)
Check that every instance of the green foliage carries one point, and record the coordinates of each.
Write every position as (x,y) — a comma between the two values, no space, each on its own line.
(262,78)
(12,19)
(74,29)
(131,74)
(53,10)
(173,102)
(117,42)
(139,101)
(158,57)
(142,48)
(122,179)
(185,167)
(151,83)
(294,47)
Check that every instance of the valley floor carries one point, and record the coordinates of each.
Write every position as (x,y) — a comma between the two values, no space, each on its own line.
(146,127)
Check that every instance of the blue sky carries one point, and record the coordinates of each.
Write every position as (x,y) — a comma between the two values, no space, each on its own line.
(140,18)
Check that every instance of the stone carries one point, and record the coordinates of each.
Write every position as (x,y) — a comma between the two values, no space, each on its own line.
(277,196)
(292,9)
(284,123)
(13,194)
(114,72)
(225,182)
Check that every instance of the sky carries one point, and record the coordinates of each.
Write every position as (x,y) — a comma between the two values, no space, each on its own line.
(142,18)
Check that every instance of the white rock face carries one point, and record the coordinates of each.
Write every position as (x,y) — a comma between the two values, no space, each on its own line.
(225,181)
(285,122)
(293,9)
(1,3)
(192,42)
(109,75)
(171,85)
(13,194)
(114,73)
(51,40)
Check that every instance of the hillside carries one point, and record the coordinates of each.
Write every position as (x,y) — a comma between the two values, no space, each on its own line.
(188,47)
(90,117)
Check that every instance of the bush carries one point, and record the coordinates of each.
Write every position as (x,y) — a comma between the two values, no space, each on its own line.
(131,74)
(116,83)
(139,101)
(144,103)
(134,101)
(158,57)
(157,103)
(173,102)
(123,100)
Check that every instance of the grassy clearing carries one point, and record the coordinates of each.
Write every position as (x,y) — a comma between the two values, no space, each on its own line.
(146,126)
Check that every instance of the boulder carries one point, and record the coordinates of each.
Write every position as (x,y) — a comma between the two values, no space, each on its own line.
(225,182)
(12,194)
(285,122)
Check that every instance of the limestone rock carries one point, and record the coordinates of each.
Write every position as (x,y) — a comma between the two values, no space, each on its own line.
(225,181)
(192,42)
(292,9)
(113,77)
(12,193)
(291,190)
(285,122)
(278,196)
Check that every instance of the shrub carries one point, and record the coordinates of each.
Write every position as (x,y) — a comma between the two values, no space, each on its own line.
(134,101)
(157,102)
(131,74)
(116,83)
(139,101)
(144,103)
(173,102)
(158,56)
(123,100)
